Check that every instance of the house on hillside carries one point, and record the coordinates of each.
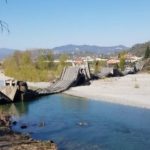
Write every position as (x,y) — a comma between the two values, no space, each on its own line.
(114,62)
(130,58)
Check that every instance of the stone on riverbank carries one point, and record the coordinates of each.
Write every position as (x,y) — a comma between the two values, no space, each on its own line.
(10,140)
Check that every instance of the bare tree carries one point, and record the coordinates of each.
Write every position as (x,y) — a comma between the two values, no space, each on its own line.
(4,25)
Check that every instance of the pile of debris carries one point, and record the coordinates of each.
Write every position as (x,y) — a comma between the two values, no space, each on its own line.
(146,66)
(129,69)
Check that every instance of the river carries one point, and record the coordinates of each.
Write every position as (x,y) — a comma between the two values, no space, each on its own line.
(75,123)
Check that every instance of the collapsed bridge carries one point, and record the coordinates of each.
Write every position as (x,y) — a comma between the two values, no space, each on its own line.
(70,76)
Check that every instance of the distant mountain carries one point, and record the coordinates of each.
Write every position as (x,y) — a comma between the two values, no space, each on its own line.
(139,49)
(4,52)
(80,50)
(90,48)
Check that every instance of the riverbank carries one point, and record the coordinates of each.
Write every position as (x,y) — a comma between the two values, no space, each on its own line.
(132,90)
(30,84)
(10,140)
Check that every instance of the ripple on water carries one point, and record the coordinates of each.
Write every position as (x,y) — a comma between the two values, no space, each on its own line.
(75,123)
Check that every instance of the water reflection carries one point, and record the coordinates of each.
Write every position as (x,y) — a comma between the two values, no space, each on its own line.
(75,123)
(74,103)
(17,109)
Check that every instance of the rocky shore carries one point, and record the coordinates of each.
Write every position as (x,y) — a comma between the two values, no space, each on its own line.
(10,140)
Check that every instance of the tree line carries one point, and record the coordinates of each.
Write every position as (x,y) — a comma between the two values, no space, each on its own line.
(147,53)
(22,66)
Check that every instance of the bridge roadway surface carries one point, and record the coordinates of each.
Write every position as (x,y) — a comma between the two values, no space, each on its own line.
(68,78)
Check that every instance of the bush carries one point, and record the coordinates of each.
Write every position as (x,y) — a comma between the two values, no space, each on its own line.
(21,66)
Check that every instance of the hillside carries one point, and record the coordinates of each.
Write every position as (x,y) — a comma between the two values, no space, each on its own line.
(4,52)
(146,67)
(81,50)
(89,48)
(139,49)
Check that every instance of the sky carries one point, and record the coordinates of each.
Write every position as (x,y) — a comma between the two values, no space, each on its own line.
(50,23)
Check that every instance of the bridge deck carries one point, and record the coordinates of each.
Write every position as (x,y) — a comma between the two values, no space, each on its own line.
(68,78)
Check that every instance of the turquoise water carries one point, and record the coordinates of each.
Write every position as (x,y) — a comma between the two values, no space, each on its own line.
(75,123)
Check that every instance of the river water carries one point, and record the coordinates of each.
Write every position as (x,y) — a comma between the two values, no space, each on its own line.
(74,123)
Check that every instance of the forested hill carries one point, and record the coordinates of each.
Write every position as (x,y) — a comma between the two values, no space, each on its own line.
(139,49)
(90,48)
(70,49)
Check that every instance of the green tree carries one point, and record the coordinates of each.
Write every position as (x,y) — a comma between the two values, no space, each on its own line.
(41,62)
(63,58)
(22,66)
(26,58)
(96,67)
(62,63)
(147,53)
(50,60)
(122,63)
(121,57)
(18,65)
